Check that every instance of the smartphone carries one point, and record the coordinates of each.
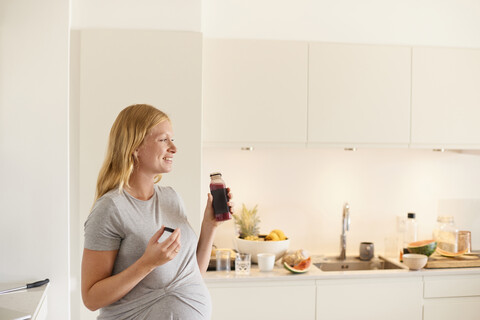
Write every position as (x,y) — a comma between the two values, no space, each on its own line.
(166,234)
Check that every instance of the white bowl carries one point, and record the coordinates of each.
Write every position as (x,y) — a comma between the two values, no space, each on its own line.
(415,261)
(278,248)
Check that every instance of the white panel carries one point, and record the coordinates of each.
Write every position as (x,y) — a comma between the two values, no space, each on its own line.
(454,308)
(263,302)
(366,299)
(446,97)
(452,286)
(124,67)
(359,94)
(255,91)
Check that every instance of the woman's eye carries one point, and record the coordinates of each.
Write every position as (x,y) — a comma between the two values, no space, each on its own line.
(166,139)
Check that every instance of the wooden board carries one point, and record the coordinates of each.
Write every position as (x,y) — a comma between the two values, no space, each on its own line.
(436,261)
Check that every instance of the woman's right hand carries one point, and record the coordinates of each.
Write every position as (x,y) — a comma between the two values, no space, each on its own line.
(157,253)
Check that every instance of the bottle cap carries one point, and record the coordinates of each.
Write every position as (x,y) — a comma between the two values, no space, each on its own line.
(215,174)
(411,215)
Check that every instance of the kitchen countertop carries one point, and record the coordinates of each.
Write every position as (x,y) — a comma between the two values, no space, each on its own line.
(279,273)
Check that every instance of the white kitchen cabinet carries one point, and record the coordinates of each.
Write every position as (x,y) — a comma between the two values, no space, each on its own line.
(254,92)
(370,298)
(445,97)
(452,297)
(359,95)
(263,300)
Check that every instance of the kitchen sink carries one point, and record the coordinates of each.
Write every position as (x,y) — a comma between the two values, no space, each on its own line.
(355,264)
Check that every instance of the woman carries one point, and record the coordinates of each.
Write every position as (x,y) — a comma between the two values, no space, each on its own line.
(132,268)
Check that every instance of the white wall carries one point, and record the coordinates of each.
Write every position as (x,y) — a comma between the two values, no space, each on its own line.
(302,191)
(412,22)
(34,228)
(139,14)
(76,235)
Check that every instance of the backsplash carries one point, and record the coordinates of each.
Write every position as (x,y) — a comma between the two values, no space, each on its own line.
(302,191)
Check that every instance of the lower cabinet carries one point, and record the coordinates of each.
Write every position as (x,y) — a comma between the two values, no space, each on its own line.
(395,297)
(263,300)
(370,298)
(452,297)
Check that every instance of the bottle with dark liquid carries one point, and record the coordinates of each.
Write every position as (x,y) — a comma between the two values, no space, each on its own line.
(220,197)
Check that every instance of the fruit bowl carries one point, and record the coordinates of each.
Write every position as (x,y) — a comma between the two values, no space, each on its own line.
(278,248)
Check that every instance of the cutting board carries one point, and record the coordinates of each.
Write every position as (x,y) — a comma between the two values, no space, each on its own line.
(436,261)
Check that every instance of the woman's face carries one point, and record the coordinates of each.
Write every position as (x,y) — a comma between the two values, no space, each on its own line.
(155,154)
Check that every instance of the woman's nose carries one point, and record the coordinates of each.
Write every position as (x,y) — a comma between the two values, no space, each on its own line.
(172,148)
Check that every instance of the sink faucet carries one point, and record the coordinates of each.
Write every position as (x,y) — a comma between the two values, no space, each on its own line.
(345,227)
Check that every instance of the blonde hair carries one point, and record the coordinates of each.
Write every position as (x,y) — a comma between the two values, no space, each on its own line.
(127,134)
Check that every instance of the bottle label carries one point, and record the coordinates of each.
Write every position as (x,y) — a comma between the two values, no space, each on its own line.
(220,200)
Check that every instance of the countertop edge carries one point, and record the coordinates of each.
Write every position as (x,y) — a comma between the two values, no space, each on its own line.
(280,274)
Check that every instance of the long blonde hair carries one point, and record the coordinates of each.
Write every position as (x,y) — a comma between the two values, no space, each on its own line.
(127,134)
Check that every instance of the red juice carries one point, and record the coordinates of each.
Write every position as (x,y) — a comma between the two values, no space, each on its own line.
(220,197)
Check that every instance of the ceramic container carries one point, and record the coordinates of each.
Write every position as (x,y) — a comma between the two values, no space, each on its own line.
(415,261)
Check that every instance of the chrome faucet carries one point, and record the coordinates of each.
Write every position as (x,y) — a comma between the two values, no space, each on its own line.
(345,227)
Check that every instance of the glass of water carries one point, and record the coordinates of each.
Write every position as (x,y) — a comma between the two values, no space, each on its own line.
(242,263)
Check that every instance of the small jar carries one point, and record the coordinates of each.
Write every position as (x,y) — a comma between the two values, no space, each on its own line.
(446,234)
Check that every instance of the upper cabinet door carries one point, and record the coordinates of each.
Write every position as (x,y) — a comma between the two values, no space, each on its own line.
(446,98)
(359,95)
(255,91)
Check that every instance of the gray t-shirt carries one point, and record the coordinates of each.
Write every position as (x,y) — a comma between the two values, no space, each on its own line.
(174,290)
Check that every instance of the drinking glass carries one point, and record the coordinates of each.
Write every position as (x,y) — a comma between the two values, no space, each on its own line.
(465,241)
(242,263)
(223,260)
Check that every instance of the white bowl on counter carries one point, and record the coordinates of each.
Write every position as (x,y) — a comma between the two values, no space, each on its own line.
(278,248)
(415,261)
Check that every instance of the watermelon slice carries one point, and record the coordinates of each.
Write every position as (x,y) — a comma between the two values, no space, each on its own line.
(451,254)
(426,247)
(302,267)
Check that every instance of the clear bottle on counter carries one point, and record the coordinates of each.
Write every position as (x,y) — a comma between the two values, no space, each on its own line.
(411,230)
(446,234)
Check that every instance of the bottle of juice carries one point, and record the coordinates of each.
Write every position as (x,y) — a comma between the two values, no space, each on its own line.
(220,197)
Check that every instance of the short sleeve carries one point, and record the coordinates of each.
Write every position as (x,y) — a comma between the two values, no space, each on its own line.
(177,202)
(103,228)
